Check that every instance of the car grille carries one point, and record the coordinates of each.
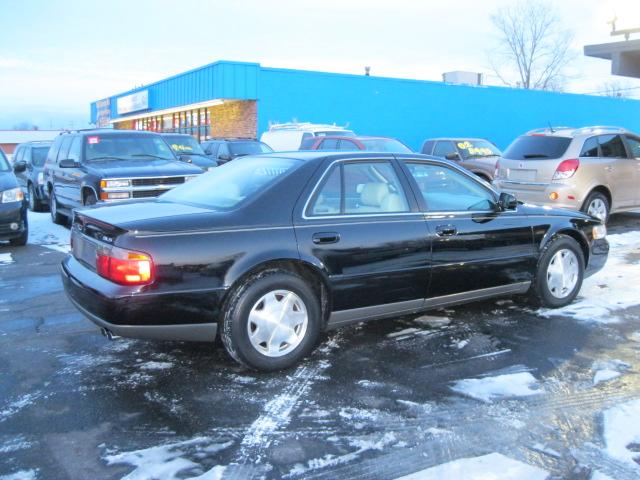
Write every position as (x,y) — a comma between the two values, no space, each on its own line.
(146,193)
(144,182)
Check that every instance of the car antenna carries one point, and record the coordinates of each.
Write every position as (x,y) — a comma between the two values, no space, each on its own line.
(550,127)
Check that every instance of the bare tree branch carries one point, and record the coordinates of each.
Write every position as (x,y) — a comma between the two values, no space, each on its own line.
(534,48)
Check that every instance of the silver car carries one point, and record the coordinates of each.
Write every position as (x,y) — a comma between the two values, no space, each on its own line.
(595,170)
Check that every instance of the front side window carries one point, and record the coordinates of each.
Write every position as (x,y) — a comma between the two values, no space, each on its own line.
(4,163)
(446,190)
(385,145)
(634,146)
(427,147)
(64,148)
(53,151)
(224,188)
(347,145)
(124,146)
(360,188)
(611,146)
(76,149)
(17,156)
(443,149)
(240,149)
(329,144)
(590,148)
(39,155)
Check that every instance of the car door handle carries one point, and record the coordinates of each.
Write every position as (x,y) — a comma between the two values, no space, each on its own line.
(325,237)
(446,230)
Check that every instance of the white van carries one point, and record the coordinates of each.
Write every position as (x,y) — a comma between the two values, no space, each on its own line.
(284,137)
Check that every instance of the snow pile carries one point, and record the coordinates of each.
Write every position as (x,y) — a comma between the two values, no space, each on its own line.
(5,258)
(432,321)
(488,389)
(167,461)
(487,467)
(15,444)
(153,365)
(622,432)
(21,475)
(608,370)
(42,231)
(608,290)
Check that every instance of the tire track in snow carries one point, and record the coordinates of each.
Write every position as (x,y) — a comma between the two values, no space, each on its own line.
(276,414)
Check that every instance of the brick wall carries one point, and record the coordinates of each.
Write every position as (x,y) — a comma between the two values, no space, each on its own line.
(234,119)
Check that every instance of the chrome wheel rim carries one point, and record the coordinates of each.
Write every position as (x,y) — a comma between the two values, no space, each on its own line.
(598,209)
(562,273)
(277,323)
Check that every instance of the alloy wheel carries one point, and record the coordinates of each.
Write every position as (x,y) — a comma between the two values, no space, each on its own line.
(562,273)
(597,208)
(277,323)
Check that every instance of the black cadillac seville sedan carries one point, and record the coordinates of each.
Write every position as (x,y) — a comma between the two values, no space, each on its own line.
(273,249)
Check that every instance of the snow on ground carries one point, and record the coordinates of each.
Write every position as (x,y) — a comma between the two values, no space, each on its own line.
(432,321)
(494,466)
(168,461)
(488,389)
(622,432)
(5,258)
(608,290)
(21,475)
(42,231)
(606,370)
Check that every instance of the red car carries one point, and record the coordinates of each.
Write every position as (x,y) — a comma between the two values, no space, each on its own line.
(373,144)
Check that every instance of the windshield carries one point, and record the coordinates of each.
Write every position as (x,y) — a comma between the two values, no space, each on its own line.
(226,186)
(126,147)
(537,147)
(239,149)
(476,149)
(184,144)
(4,163)
(385,145)
(39,155)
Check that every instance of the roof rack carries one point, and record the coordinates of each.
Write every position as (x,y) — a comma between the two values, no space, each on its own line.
(600,128)
(548,129)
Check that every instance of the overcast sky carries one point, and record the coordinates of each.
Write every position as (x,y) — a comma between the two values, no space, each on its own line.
(58,56)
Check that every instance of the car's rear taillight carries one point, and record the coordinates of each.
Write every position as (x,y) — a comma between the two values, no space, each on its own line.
(125,267)
(566,169)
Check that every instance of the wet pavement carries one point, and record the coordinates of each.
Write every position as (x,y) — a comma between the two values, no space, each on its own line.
(374,401)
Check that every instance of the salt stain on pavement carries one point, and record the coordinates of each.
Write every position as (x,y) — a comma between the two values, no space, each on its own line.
(488,389)
(21,475)
(622,433)
(606,370)
(609,289)
(494,466)
(5,258)
(43,232)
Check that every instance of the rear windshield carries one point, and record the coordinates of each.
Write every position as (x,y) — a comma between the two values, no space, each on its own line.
(39,155)
(126,147)
(226,186)
(335,133)
(184,144)
(476,149)
(239,149)
(385,145)
(536,147)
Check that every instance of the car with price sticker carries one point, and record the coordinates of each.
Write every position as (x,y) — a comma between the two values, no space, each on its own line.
(88,167)
(187,148)
(477,155)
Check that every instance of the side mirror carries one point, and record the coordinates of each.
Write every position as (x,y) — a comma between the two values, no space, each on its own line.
(452,156)
(185,158)
(507,201)
(224,157)
(20,167)
(68,163)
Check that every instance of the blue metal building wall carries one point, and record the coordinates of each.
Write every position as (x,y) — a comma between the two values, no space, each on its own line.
(230,80)
(413,110)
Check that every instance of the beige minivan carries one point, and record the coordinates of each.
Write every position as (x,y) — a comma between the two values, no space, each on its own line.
(593,169)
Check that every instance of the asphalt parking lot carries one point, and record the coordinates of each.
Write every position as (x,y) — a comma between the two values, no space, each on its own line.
(554,392)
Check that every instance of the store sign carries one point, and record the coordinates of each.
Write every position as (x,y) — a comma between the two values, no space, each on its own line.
(133,103)
(103,112)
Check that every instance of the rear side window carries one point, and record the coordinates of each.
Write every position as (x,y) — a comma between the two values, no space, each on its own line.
(443,149)
(537,147)
(427,147)
(634,146)
(329,144)
(612,146)
(590,148)
(307,141)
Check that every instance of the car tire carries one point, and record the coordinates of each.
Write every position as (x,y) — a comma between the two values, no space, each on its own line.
(90,200)
(34,203)
(559,273)
(56,216)
(597,205)
(274,293)
(21,241)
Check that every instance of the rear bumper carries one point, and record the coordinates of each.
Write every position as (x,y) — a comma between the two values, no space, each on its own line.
(12,213)
(597,256)
(128,312)
(539,194)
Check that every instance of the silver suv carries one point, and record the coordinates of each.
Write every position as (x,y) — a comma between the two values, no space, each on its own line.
(593,169)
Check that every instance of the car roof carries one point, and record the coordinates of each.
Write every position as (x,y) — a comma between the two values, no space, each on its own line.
(110,131)
(356,137)
(239,139)
(571,132)
(313,155)
(454,139)
(43,143)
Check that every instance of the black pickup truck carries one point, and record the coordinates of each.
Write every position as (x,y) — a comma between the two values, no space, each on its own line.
(103,166)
